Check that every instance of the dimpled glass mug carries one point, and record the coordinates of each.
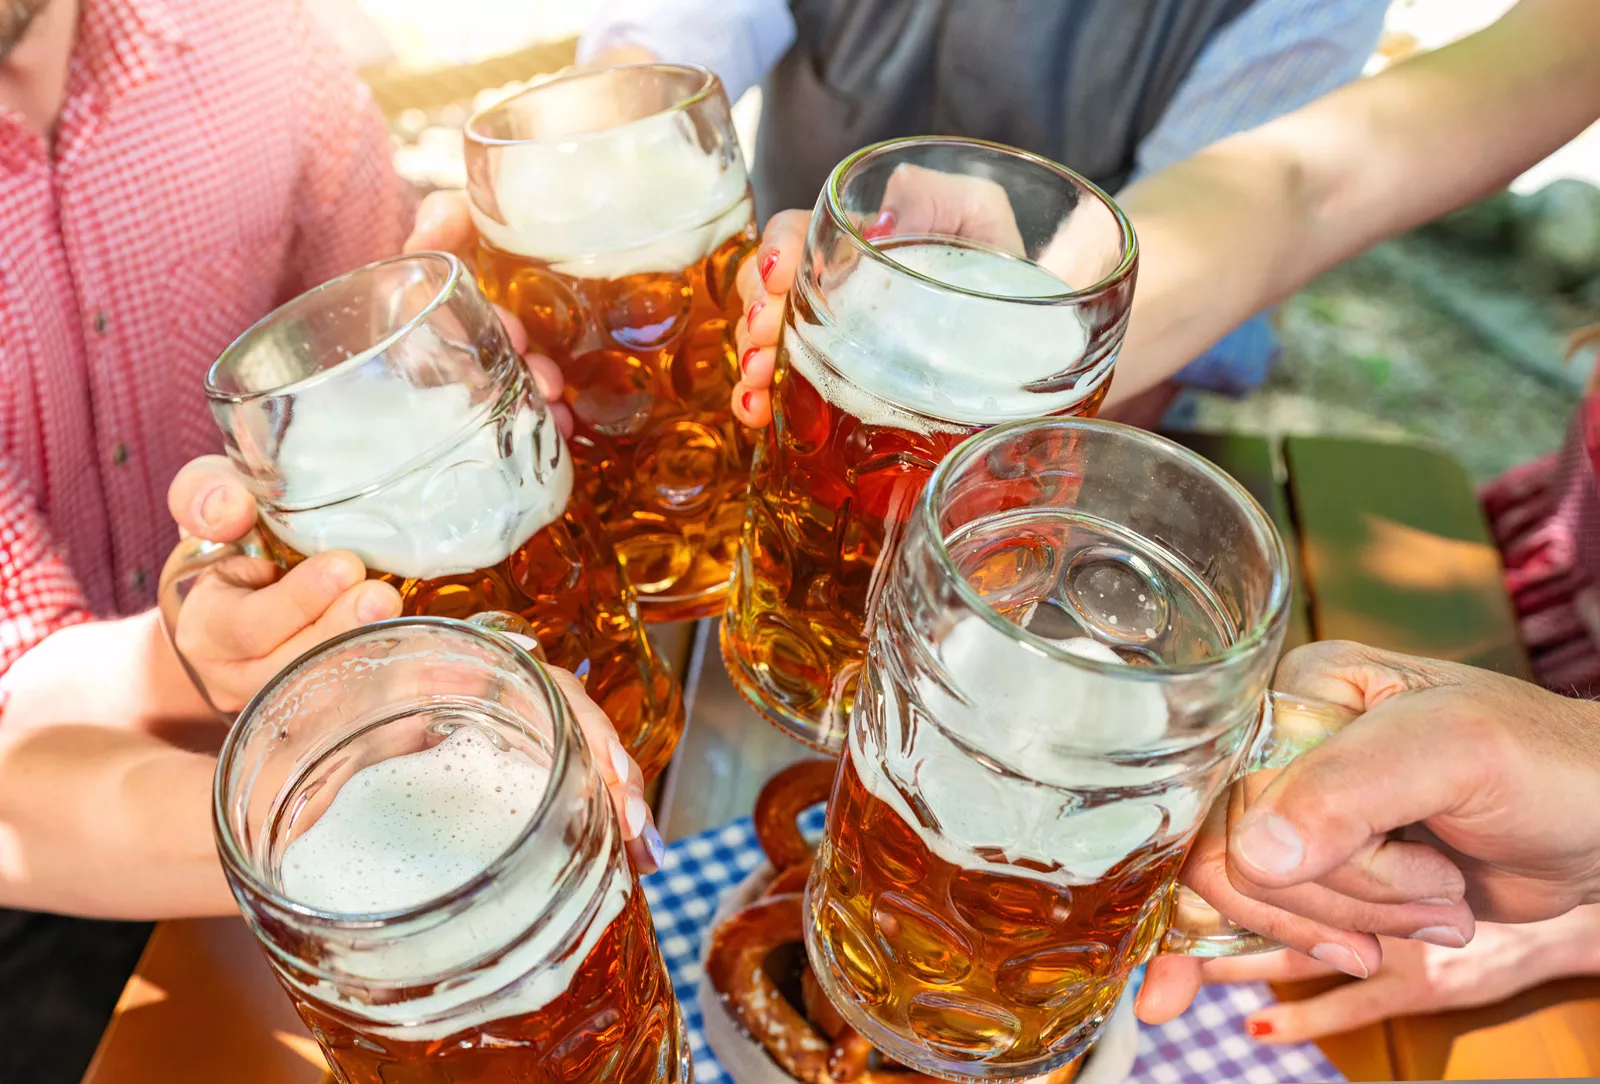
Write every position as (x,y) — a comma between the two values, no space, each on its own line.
(385,413)
(1069,665)
(414,828)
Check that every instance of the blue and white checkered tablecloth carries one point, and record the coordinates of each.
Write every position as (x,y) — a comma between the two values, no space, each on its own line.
(1205,1045)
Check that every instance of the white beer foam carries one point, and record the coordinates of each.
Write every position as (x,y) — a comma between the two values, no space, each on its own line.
(464,507)
(415,827)
(1053,723)
(900,353)
(636,199)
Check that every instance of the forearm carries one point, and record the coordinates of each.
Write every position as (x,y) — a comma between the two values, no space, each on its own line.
(106,823)
(107,673)
(1569,945)
(1247,222)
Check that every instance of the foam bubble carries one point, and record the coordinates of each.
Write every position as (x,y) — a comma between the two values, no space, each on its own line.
(466,506)
(896,345)
(1057,725)
(643,197)
(412,828)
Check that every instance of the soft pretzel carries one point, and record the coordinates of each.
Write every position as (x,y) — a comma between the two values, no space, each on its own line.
(779,805)
(790,880)
(735,963)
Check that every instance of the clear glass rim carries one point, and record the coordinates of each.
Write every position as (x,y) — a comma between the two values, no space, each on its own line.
(244,869)
(708,86)
(833,200)
(1251,639)
(455,273)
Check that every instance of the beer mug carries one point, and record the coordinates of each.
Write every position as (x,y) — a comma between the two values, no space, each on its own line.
(613,211)
(386,413)
(1069,665)
(412,824)
(902,338)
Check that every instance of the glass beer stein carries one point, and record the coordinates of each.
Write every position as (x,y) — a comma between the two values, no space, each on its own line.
(613,211)
(386,413)
(412,825)
(904,336)
(1069,664)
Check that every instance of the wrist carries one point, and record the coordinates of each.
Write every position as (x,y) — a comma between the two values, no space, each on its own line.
(1570,944)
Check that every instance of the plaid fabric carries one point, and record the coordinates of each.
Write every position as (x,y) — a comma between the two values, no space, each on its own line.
(211,160)
(1206,1044)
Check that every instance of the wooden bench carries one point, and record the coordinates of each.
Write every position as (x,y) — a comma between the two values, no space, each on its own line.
(1392,551)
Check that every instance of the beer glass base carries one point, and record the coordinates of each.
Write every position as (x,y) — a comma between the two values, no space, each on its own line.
(918,1056)
(825,737)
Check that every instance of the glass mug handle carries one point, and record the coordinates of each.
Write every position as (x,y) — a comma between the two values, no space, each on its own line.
(192,557)
(1290,725)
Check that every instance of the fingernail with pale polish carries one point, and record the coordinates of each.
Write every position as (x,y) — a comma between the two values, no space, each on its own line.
(1269,843)
(653,844)
(1340,959)
(636,814)
(1443,936)
(1437,901)
(619,759)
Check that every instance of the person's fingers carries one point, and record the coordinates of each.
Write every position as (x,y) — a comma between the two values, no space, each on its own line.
(621,775)
(552,382)
(771,268)
(362,604)
(1170,985)
(444,223)
(752,406)
(209,500)
(514,329)
(1386,887)
(925,201)
(237,612)
(763,320)
(1281,966)
(1347,1006)
(1205,871)
(547,377)
(1388,769)
(756,368)
(1353,675)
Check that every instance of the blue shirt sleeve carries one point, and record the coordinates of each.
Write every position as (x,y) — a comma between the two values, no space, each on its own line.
(740,40)
(1274,58)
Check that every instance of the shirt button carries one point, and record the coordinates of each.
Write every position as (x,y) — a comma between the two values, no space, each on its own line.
(100,321)
(136,579)
(119,454)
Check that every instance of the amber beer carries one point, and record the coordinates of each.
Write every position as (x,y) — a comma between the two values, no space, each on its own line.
(433,459)
(896,347)
(613,211)
(1067,666)
(422,842)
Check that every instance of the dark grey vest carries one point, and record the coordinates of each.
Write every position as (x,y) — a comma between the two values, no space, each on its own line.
(1078,81)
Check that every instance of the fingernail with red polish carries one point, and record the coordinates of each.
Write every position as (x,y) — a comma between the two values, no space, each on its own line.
(766,262)
(881,228)
(755,310)
(744,362)
(1258,1028)
(744,401)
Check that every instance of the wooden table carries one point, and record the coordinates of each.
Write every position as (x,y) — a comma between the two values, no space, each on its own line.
(1393,552)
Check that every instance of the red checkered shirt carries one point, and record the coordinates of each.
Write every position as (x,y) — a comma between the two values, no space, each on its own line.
(213,159)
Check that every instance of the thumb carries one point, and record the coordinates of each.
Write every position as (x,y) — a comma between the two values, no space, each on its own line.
(444,224)
(209,500)
(918,200)
(1410,758)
